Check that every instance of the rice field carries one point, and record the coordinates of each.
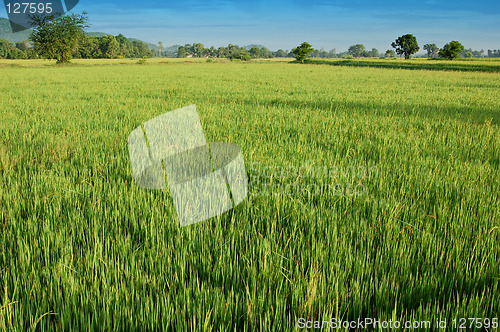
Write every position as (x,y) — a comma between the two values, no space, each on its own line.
(374,193)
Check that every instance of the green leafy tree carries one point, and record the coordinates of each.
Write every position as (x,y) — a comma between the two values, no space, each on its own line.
(323,53)
(140,49)
(431,49)
(390,53)
(181,52)
(23,46)
(374,53)
(451,50)
(265,53)
(88,48)
(9,51)
(198,50)
(239,55)
(5,48)
(109,46)
(222,52)
(255,52)
(406,45)
(57,37)
(356,50)
(280,53)
(126,48)
(160,49)
(16,53)
(212,51)
(302,51)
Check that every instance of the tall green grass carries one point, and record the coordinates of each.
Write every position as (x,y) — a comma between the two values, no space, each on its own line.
(83,248)
(465,64)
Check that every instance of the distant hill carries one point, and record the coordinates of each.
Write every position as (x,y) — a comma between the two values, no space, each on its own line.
(6,32)
(173,48)
(151,46)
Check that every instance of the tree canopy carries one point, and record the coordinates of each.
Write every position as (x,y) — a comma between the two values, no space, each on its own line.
(357,50)
(431,49)
(57,37)
(451,50)
(302,51)
(406,45)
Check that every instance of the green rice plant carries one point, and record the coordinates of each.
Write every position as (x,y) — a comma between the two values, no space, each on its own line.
(83,248)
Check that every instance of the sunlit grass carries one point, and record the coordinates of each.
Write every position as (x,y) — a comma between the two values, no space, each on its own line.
(82,247)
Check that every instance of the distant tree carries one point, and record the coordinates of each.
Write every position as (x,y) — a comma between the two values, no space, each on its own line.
(212,51)
(140,49)
(390,53)
(23,46)
(160,49)
(265,53)
(9,51)
(356,50)
(323,53)
(222,52)
(374,53)
(332,53)
(181,52)
(16,53)
(406,45)
(451,50)
(5,48)
(302,51)
(431,49)
(198,50)
(109,46)
(239,55)
(88,48)
(57,37)
(280,53)
(255,52)
(126,47)
(469,55)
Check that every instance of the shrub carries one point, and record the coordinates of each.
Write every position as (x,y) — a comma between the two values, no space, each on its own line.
(142,60)
(239,55)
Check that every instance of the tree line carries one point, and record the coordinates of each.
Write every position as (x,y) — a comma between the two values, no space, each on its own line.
(406,46)
(89,47)
(63,38)
(112,47)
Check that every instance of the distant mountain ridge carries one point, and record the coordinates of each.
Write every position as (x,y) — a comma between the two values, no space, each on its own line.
(6,32)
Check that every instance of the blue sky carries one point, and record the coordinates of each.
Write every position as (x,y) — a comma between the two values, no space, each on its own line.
(286,23)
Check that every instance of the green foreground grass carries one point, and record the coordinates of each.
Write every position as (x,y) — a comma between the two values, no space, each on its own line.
(83,248)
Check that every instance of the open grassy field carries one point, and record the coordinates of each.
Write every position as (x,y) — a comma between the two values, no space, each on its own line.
(410,231)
